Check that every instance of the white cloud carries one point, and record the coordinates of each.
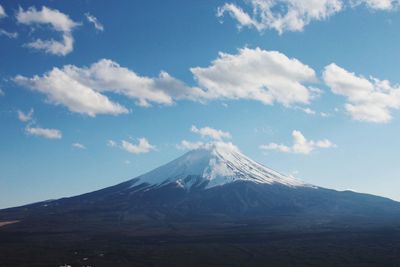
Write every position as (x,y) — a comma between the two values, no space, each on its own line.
(37,131)
(96,23)
(368,99)
(300,145)
(256,74)
(184,144)
(281,15)
(11,35)
(143,146)
(25,117)
(58,21)
(210,132)
(3,13)
(80,89)
(43,132)
(253,74)
(294,15)
(107,75)
(61,89)
(78,146)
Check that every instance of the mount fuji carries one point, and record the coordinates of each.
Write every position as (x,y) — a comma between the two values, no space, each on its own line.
(214,183)
(214,164)
(213,194)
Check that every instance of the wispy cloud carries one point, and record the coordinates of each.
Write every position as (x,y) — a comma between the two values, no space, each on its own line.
(308,111)
(3,32)
(312,112)
(44,132)
(25,117)
(78,146)
(385,5)
(289,15)
(111,143)
(11,35)
(281,15)
(96,23)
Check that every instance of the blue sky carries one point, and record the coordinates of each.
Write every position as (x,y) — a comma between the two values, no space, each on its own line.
(93,94)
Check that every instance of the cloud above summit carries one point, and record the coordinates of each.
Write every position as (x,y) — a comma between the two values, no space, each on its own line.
(212,133)
(214,136)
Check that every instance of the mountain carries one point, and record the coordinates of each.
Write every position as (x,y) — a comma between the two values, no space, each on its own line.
(215,183)
(212,206)
(215,164)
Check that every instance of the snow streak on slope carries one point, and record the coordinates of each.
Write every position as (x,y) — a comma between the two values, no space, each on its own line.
(215,164)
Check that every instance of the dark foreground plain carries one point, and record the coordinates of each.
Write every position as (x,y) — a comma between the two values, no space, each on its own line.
(232,246)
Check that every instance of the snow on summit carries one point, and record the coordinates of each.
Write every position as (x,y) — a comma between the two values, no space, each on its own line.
(215,164)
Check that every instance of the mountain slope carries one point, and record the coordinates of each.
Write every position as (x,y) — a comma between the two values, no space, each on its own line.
(211,185)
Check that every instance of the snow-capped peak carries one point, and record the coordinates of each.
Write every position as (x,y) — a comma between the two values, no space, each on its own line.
(216,164)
